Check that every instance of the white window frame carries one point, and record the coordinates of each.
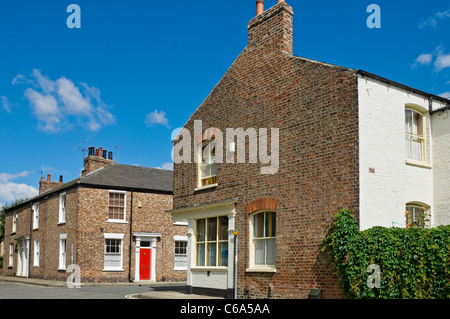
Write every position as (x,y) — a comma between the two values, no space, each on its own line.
(410,136)
(62,252)
(209,180)
(124,220)
(252,240)
(116,237)
(180,258)
(206,242)
(11,255)
(36,253)
(14,223)
(36,216)
(412,208)
(62,208)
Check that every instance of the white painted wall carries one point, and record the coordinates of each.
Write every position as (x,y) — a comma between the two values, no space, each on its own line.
(440,122)
(384,194)
(208,277)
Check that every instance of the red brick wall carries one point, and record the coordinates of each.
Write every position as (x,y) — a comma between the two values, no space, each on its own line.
(86,223)
(315,107)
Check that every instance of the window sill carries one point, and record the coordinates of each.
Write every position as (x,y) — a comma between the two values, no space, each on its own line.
(200,268)
(261,269)
(205,187)
(117,221)
(417,163)
(61,269)
(113,269)
(61,223)
(180,268)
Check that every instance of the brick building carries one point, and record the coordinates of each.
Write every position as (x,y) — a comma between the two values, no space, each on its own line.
(341,133)
(110,222)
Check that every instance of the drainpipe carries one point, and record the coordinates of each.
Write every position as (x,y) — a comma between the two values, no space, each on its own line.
(29,244)
(235,233)
(131,237)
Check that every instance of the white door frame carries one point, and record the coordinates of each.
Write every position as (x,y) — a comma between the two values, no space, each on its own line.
(23,251)
(146,237)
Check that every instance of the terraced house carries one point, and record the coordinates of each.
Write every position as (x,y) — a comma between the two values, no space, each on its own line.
(346,138)
(110,222)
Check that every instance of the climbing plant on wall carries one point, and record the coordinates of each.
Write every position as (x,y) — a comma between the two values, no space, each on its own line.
(411,262)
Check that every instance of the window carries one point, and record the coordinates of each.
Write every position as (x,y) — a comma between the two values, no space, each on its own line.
(263,239)
(180,260)
(62,209)
(36,253)
(113,252)
(116,208)
(414,137)
(62,251)
(417,216)
(208,166)
(35,216)
(14,224)
(11,255)
(212,241)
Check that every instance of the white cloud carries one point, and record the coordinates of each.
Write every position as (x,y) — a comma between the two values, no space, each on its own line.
(43,81)
(156,117)
(61,105)
(45,108)
(5,103)
(433,20)
(167,165)
(445,94)
(442,61)
(424,58)
(21,79)
(11,191)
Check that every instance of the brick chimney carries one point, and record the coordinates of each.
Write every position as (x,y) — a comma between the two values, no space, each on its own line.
(272,28)
(97,158)
(45,185)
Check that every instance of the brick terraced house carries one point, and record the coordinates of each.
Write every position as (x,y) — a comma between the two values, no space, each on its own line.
(110,222)
(346,139)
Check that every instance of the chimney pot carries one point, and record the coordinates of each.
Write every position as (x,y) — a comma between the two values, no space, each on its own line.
(48,177)
(99,152)
(42,178)
(60,178)
(279,1)
(259,7)
(104,154)
(110,155)
(91,150)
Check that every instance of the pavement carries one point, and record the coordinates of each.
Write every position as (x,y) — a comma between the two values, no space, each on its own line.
(161,290)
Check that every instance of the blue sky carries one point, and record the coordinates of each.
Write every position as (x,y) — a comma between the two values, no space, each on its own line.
(137,70)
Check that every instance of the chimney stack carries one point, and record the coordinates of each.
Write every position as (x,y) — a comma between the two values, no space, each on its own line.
(96,159)
(272,30)
(259,7)
(45,185)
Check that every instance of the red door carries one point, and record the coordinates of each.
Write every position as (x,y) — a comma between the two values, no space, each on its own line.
(144,264)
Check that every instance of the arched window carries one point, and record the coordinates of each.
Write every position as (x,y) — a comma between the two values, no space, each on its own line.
(414,136)
(263,232)
(417,215)
(208,165)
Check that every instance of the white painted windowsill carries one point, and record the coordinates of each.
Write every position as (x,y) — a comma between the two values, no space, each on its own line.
(205,187)
(261,269)
(418,164)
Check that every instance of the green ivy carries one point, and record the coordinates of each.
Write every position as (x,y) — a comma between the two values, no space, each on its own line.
(414,263)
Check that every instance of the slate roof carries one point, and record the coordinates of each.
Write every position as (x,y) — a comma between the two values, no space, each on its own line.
(117,177)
